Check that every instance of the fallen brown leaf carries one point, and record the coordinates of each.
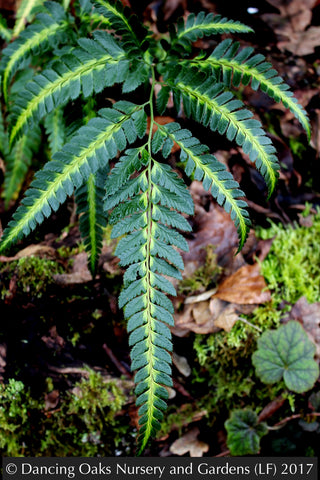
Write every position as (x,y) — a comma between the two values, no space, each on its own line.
(189,443)
(245,286)
(298,13)
(79,274)
(291,26)
(205,317)
(185,321)
(211,226)
(51,400)
(302,43)
(181,363)
(31,251)
(227,316)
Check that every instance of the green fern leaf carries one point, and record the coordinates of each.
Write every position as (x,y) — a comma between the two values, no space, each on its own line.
(138,74)
(95,65)
(89,15)
(86,152)
(234,65)
(47,32)
(197,26)
(162,99)
(132,31)
(141,209)
(209,104)
(5,32)
(55,129)
(18,162)
(4,138)
(89,199)
(206,168)
(24,15)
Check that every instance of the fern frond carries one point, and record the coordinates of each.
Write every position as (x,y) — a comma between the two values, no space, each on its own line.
(47,32)
(95,20)
(95,65)
(206,168)
(18,163)
(5,32)
(92,221)
(4,138)
(149,251)
(233,65)
(89,15)
(124,22)
(55,129)
(24,14)
(196,26)
(209,104)
(88,150)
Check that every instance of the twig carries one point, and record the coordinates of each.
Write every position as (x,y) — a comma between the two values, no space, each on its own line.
(70,370)
(293,417)
(271,408)
(115,361)
(250,324)
(223,454)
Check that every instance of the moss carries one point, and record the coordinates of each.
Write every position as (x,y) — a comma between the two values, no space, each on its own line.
(65,252)
(292,267)
(176,419)
(32,275)
(204,277)
(89,420)
(223,359)
(16,408)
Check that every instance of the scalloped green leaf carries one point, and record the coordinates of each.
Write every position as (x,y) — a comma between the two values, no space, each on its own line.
(244,432)
(287,353)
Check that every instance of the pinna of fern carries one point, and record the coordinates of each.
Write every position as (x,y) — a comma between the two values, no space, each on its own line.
(142,197)
(47,31)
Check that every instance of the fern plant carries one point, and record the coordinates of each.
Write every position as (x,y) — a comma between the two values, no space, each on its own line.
(141,196)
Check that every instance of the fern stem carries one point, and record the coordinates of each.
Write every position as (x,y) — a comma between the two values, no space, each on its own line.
(153,78)
(92,220)
(152,384)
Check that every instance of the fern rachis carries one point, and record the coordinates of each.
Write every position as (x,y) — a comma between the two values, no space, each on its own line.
(142,197)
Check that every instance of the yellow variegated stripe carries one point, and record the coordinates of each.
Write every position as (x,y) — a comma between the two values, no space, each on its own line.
(13,178)
(151,358)
(92,208)
(94,18)
(53,186)
(22,15)
(215,27)
(240,125)
(220,184)
(25,48)
(66,4)
(5,33)
(115,12)
(278,93)
(52,87)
